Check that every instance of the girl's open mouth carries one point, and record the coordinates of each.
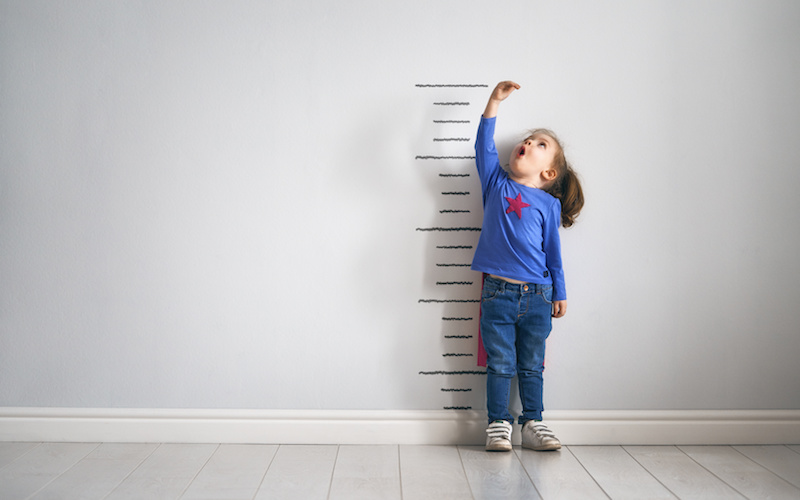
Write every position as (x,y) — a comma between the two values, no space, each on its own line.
(522,151)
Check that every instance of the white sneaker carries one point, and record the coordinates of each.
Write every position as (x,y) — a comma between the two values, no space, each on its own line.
(498,436)
(536,436)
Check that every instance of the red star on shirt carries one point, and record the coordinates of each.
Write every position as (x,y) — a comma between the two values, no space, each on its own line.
(516,205)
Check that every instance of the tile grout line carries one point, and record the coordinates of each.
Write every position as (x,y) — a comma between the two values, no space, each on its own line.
(333,471)
(711,472)
(519,459)
(133,470)
(463,468)
(590,474)
(185,489)
(97,445)
(264,476)
(765,468)
(38,445)
(399,471)
(649,472)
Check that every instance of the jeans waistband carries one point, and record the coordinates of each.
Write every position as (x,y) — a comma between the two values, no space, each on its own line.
(519,288)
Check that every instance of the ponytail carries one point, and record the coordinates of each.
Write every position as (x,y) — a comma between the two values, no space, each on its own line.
(566,186)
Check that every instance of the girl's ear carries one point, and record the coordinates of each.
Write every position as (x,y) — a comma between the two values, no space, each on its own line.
(550,174)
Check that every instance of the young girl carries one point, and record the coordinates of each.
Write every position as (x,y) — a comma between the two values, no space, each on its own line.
(519,252)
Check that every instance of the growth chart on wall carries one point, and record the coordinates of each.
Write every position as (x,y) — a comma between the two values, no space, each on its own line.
(447,158)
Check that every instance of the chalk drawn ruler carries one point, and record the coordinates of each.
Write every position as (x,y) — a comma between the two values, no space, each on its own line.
(450,153)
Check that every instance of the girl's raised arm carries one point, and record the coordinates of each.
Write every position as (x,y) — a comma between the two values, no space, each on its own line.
(499,94)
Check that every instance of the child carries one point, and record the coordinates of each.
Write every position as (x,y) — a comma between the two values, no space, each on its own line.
(519,252)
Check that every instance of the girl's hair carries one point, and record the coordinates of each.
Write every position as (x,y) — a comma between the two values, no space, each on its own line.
(566,186)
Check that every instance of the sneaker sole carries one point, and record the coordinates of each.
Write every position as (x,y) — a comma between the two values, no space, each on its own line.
(549,447)
(498,447)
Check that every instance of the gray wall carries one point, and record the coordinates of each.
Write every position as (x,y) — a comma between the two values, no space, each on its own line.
(215,204)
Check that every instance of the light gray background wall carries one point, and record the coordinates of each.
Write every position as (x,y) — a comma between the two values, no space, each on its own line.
(214,204)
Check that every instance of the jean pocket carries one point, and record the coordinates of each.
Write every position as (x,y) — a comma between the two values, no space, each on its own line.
(490,293)
(547,294)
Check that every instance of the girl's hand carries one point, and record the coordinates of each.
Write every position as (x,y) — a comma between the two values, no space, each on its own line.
(559,308)
(499,94)
(503,90)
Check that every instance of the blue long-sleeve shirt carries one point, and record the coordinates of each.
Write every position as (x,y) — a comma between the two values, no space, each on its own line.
(519,237)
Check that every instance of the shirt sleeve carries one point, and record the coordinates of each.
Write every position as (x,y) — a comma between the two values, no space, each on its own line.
(486,158)
(552,249)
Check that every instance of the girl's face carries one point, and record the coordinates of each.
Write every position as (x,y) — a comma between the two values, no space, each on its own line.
(531,161)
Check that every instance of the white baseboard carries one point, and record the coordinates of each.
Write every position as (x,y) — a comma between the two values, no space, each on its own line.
(390,427)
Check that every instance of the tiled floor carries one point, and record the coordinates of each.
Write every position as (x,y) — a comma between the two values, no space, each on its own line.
(213,471)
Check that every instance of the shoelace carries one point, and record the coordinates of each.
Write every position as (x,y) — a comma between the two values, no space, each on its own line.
(499,430)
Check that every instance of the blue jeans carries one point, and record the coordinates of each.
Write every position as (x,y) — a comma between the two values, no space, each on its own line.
(515,322)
